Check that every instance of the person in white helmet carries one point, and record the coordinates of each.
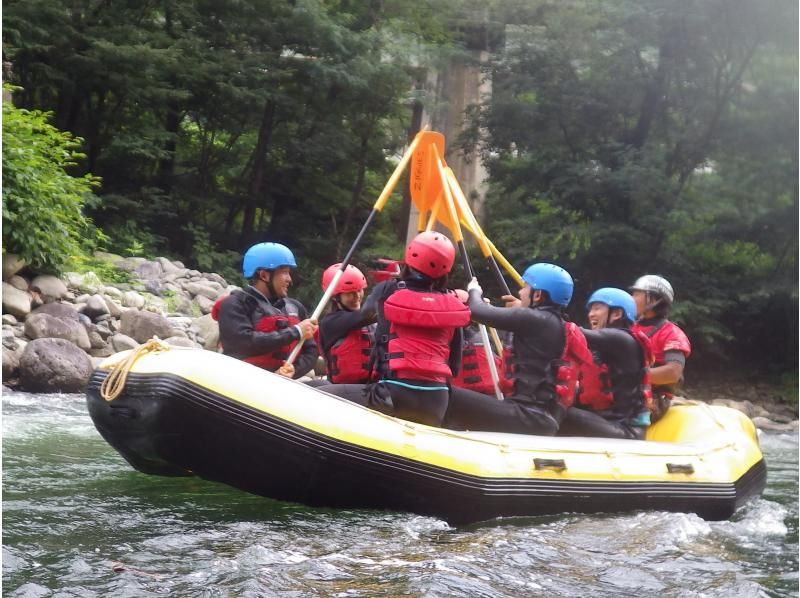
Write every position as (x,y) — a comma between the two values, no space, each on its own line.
(653,295)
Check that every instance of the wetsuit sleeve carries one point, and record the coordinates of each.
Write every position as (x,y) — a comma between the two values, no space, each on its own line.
(676,356)
(369,309)
(308,354)
(238,335)
(514,319)
(599,341)
(338,324)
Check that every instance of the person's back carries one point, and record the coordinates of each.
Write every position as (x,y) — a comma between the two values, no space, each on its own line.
(418,336)
(671,347)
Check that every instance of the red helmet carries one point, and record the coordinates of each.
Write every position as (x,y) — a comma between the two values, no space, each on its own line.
(389,269)
(352,279)
(431,253)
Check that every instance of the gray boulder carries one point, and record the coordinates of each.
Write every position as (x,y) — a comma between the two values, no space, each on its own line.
(143,325)
(44,325)
(50,288)
(87,282)
(63,311)
(10,363)
(122,342)
(12,264)
(207,327)
(18,282)
(133,299)
(209,289)
(204,303)
(180,341)
(167,266)
(54,365)
(15,302)
(9,319)
(149,270)
(96,307)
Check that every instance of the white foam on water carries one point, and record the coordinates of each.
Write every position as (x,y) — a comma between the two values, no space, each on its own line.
(760,519)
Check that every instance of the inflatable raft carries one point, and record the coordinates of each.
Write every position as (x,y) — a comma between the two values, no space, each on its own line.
(193,412)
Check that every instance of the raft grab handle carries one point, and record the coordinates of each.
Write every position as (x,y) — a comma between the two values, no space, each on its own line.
(680,468)
(554,464)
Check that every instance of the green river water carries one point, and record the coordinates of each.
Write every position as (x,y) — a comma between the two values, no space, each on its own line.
(79,521)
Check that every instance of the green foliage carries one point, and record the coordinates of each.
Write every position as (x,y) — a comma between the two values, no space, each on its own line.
(105,270)
(621,137)
(42,204)
(633,136)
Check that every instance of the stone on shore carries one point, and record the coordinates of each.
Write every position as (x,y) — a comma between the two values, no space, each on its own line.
(43,325)
(12,264)
(50,288)
(144,325)
(15,302)
(54,365)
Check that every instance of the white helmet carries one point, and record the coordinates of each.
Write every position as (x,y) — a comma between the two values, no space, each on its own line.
(658,285)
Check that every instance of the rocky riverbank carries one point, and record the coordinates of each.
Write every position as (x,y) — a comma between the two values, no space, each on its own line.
(57,329)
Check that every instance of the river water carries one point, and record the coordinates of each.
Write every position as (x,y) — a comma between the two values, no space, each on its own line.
(78,521)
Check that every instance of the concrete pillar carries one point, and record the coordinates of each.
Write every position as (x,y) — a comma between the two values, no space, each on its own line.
(463,83)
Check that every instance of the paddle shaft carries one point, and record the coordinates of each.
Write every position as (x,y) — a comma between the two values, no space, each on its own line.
(451,208)
(379,204)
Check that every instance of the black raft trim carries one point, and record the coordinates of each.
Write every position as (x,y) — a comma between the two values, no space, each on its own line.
(217,438)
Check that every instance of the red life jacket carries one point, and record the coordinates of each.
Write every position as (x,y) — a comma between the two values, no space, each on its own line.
(649,360)
(506,370)
(566,370)
(475,374)
(422,325)
(595,390)
(348,358)
(596,385)
(279,321)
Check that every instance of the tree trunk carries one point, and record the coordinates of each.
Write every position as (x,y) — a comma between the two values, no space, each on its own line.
(256,183)
(358,189)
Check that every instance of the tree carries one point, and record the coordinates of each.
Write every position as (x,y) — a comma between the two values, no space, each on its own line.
(43,216)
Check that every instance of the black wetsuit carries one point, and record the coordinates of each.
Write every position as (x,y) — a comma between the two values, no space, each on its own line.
(240,313)
(533,407)
(624,358)
(414,400)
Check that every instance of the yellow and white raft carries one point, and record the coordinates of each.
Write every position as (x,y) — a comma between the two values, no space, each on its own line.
(195,412)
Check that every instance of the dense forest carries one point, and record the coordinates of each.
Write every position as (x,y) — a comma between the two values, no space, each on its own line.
(621,137)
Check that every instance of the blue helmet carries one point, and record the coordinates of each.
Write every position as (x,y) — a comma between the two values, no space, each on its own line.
(615,298)
(551,278)
(268,256)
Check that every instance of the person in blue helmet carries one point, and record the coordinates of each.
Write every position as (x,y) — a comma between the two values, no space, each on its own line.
(614,397)
(547,351)
(261,324)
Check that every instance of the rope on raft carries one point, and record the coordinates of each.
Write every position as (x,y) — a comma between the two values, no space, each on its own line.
(114,383)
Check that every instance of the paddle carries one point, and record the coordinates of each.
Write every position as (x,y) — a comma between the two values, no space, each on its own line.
(475,227)
(426,195)
(424,183)
(459,238)
(422,136)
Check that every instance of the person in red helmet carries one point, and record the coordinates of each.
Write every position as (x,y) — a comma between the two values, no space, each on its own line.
(418,336)
(346,334)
